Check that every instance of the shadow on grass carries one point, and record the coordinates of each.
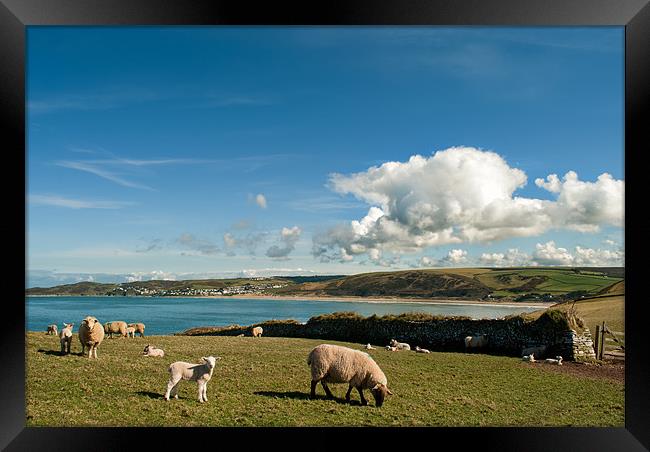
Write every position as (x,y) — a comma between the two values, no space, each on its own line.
(151,395)
(303,396)
(56,352)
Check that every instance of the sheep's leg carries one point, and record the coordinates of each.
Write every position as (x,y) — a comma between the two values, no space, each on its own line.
(172,388)
(312,395)
(327,390)
(347,394)
(364,402)
(95,351)
(90,351)
(202,386)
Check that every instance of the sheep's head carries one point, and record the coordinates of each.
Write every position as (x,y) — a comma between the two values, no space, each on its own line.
(379,392)
(393,342)
(210,360)
(90,322)
(146,350)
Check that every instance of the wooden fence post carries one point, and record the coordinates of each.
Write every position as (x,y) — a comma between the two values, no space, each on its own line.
(597,341)
(602,341)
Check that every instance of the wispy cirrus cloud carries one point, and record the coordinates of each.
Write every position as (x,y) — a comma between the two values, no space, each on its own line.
(60,201)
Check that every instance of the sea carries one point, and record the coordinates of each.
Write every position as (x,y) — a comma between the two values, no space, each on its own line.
(169,315)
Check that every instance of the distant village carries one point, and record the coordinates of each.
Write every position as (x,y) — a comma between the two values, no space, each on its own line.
(190,292)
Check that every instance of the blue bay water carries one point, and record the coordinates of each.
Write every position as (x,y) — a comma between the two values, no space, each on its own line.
(168,315)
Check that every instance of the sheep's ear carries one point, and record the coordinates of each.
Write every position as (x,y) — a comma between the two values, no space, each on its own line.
(388,391)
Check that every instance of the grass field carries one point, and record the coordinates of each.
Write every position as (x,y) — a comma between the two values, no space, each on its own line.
(265,382)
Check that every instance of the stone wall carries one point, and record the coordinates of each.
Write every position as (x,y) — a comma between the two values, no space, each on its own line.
(507,336)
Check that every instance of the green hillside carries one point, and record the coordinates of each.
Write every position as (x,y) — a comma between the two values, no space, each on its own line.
(507,284)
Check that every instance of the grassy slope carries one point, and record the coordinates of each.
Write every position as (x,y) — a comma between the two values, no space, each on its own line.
(265,381)
(469,283)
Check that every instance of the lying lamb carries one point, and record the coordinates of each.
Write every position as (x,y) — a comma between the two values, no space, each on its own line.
(399,345)
(337,364)
(557,360)
(66,337)
(368,347)
(421,350)
(530,358)
(201,373)
(150,350)
(391,349)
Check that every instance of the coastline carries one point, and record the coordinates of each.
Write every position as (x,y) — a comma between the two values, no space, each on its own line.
(393,300)
(346,299)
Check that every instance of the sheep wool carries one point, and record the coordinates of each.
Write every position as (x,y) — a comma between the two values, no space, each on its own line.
(139,328)
(115,327)
(91,334)
(337,364)
(65,336)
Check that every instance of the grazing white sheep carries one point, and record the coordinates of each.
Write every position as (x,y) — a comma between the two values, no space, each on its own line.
(66,337)
(530,358)
(52,330)
(139,328)
(421,350)
(368,347)
(399,345)
(201,373)
(115,327)
(391,349)
(130,331)
(475,342)
(257,331)
(337,364)
(91,334)
(557,360)
(150,350)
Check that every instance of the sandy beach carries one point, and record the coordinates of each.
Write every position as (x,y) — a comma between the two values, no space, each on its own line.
(394,300)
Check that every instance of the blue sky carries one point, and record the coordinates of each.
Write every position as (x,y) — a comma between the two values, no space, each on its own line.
(210,151)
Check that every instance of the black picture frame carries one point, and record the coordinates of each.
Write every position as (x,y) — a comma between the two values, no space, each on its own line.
(634,15)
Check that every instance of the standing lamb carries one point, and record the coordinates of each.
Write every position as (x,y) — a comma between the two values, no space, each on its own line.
(201,373)
(52,330)
(257,331)
(139,328)
(399,345)
(150,350)
(337,364)
(115,327)
(130,331)
(91,334)
(66,337)
(475,342)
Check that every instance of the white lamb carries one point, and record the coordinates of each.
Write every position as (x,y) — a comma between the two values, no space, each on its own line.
(557,360)
(530,358)
(150,350)
(52,330)
(421,350)
(65,336)
(391,349)
(399,345)
(201,373)
(130,331)
(368,347)
(337,364)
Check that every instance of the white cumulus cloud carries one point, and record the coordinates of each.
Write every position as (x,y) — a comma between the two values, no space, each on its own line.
(288,239)
(260,200)
(461,195)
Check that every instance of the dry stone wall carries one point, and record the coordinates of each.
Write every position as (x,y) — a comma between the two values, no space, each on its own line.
(507,336)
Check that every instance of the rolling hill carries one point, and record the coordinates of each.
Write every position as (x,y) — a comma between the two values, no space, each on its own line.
(507,284)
